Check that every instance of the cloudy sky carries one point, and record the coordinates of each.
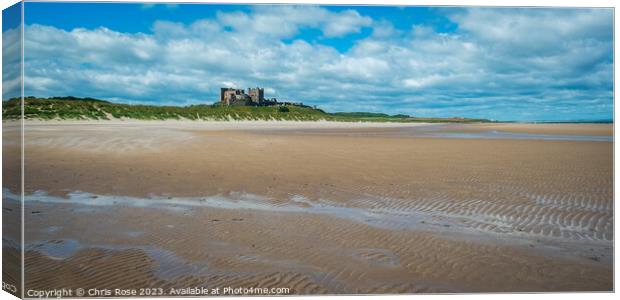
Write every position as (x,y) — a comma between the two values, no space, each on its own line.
(498,63)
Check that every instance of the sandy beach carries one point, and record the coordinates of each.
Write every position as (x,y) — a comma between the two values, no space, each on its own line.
(316,207)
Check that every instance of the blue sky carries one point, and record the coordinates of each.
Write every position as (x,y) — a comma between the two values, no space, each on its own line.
(499,63)
(11,17)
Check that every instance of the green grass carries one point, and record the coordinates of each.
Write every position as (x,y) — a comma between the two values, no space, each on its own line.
(72,108)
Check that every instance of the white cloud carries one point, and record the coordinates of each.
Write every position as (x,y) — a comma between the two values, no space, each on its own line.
(148,6)
(497,62)
(535,30)
(286,21)
(11,63)
(348,21)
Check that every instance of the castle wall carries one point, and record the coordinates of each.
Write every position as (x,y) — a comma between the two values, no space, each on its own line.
(231,96)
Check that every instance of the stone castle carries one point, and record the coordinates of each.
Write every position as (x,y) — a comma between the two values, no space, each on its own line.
(236,97)
(254,97)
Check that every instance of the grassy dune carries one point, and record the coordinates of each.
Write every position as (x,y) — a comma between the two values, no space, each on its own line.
(72,108)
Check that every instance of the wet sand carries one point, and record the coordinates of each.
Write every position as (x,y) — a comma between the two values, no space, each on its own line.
(328,208)
(549,128)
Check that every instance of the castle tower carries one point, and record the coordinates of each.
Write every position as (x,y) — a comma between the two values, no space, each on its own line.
(256,94)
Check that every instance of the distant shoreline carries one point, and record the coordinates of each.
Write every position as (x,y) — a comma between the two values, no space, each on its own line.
(72,108)
(559,122)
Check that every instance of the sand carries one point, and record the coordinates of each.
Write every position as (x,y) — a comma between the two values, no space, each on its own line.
(316,208)
(550,128)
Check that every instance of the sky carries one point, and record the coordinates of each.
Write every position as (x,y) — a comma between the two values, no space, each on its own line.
(11,51)
(520,64)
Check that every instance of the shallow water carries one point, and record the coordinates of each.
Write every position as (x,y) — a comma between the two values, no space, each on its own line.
(520,136)
(55,249)
(437,131)
(167,264)
(418,215)
(383,218)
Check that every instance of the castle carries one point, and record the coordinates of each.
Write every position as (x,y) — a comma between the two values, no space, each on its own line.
(232,96)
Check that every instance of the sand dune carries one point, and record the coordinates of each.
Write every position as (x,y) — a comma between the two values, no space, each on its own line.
(334,210)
